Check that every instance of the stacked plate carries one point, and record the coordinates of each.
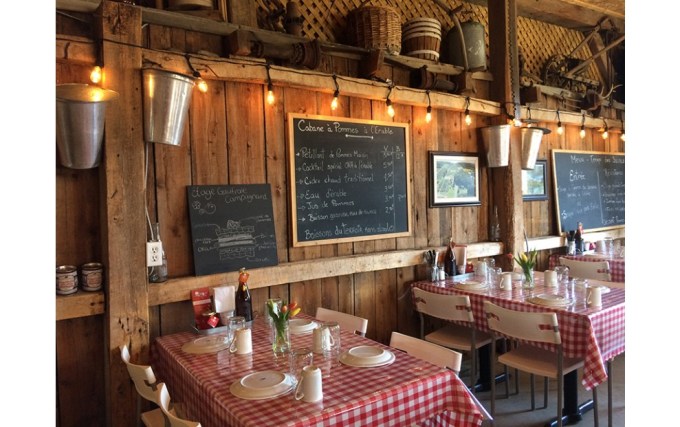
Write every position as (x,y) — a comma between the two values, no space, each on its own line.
(209,344)
(470,285)
(366,356)
(551,300)
(301,326)
(262,385)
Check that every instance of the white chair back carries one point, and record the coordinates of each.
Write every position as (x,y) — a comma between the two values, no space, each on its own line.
(142,376)
(537,327)
(346,321)
(598,270)
(443,306)
(430,352)
(175,421)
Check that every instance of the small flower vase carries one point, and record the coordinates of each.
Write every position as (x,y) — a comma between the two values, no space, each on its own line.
(281,342)
(528,278)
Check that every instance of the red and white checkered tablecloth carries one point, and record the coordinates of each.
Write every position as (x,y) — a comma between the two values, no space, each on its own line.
(617,266)
(407,392)
(596,335)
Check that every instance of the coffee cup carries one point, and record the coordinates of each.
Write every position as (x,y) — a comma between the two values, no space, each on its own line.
(594,296)
(242,343)
(550,278)
(506,281)
(309,388)
(322,340)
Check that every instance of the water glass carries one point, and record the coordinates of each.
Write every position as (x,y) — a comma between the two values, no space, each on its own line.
(234,323)
(562,273)
(495,275)
(299,358)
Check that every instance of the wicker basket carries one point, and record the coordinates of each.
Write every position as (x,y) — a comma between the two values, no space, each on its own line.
(375,27)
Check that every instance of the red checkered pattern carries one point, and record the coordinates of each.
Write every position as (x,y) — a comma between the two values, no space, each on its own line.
(407,392)
(596,335)
(617,266)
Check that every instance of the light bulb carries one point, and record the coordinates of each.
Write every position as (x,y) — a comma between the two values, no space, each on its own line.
(605,134)
(517,122)
(96,74)
(623,136)
(270,95)
(468,119)
(582,133)
(334,102)
(560,129)
(390,109)
(202,85)
(428,115)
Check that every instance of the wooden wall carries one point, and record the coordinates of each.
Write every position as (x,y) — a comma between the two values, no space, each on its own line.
(234,137)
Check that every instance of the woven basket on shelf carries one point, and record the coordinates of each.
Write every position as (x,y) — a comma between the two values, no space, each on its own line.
(376,27)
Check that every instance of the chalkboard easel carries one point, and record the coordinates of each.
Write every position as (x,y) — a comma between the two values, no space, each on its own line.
(349,179)
(590,187)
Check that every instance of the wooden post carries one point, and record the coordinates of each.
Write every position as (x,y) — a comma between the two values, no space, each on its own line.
(123,217)
(506,182)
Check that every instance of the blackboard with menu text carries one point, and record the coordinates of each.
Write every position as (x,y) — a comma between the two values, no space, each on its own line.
(349,179)
(232,226)
(590,187)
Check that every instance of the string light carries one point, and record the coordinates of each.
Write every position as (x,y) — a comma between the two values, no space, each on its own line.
(388,102)
(623,131)
(334,102)
(468,120)
(270,87)
(428,115)
(201,84)
(582,133)
(96,74)
(605,133)
(560,129)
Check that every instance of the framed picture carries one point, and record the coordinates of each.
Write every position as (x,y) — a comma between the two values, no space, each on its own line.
(454,179)
(534,185)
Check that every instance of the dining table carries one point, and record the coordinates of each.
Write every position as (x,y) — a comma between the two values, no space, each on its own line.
(617,264)
(407,391)
(596,334)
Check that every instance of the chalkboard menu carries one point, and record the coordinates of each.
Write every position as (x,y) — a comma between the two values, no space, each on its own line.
(232,226)
(590,187)
(349,179)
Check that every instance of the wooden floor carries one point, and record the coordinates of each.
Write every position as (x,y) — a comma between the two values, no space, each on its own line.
(516,411)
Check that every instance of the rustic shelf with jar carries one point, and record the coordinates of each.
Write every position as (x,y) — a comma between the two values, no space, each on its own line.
(80,304)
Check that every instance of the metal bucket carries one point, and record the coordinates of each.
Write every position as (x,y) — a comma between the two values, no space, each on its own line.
(80,123)
(531,142)
(475,46)
(167,96)
(497,145)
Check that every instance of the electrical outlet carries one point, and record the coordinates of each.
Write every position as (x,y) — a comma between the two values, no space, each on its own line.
(154,254)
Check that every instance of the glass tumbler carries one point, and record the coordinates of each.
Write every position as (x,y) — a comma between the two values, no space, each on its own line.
(299,358)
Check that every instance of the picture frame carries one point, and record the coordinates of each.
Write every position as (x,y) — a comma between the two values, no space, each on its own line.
(454,179)
(534,182)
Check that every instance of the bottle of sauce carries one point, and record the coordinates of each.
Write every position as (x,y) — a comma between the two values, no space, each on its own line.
(244,303)
(578,239)
(450,259)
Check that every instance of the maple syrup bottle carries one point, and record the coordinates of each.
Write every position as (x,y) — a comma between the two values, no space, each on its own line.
(450,259)
(244,303)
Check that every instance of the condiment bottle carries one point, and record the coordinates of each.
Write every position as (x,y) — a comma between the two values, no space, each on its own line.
(494,227)
(578,240)
(244,303)
(450,259)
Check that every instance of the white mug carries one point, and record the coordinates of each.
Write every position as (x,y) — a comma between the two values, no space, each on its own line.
(594,296)
(550,277)
(309,388)
(321,339)
(243,343)
(506,281)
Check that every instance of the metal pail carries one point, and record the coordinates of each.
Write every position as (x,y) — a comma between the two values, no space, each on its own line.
(81,110)
(475,46)
(167,96)
(531,142)
(497,145)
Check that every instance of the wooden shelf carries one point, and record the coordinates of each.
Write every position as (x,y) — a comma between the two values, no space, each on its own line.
(80,304)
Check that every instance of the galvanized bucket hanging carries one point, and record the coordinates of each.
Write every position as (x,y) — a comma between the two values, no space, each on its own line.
(531,142)
(496,145)
(80,123)
(167,96)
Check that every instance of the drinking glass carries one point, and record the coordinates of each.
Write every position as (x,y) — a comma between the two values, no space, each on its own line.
(299,358)
(562,273)
(234,323)
(277,309)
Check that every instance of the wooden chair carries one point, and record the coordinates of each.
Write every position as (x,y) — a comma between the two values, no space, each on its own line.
(598,270)
(435,354)
(347,321)
(525,328)
(145,382)
(175,421)
(452,308)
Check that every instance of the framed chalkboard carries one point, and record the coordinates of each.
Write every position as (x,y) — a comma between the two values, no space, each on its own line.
(349,179)
(232,226)
(590,187)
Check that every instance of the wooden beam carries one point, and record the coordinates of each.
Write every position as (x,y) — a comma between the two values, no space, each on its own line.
(179,289)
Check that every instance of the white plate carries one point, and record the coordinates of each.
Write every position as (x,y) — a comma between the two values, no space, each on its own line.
(470,285)
(365,357)
(301,326)
(262,385)
(551,300)
(209,344)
